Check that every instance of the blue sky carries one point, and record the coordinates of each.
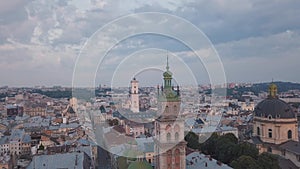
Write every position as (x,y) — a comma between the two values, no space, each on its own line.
(40,40)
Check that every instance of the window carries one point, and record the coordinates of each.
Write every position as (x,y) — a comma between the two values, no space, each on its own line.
(283,152)
(177,157)
(269,149)
(176,136)
(270,133)
(169,158)
(167,109)
(177,128)
(258,131)
(290,134)
(168,137)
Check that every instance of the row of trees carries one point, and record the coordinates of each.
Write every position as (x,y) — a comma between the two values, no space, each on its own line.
(228,150)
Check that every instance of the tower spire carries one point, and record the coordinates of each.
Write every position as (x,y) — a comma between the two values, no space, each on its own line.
(167,62)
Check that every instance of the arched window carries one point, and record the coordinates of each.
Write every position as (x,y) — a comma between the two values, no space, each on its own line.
(270,117)
(290,134)
(168,137)
(270,133)
(177,158)
(167,109)
(176,128)
(168,127)
(176,136)
(258,131)
(169,158)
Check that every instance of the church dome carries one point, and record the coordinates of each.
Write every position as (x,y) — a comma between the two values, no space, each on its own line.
(273,107)
(140,165)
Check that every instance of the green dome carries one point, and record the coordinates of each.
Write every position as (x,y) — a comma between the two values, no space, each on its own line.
(167,74)
(140,165)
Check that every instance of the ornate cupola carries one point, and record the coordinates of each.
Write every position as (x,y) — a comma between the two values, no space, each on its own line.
(273,91)
(168,91)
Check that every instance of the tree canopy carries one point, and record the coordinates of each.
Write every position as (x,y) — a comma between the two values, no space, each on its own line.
(228,150)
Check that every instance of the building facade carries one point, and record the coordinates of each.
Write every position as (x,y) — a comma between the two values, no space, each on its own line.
(134,96)
(275,128)
(169,128)
(274,120)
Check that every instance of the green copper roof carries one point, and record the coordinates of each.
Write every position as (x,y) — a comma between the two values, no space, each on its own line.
(168,93)
(140,165)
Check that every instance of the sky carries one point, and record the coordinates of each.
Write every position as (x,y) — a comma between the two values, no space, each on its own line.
(41,42)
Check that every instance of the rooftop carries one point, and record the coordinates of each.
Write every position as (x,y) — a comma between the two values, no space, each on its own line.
(197,160)
(68,160)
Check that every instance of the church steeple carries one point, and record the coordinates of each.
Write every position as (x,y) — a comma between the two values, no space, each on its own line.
(167,62)
(169,127)
(167,91)
(167,76)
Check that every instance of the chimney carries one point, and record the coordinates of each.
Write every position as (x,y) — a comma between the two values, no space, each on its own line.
(76,163)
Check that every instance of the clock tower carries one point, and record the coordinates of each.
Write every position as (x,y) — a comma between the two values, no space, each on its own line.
(169,127)
(134,95)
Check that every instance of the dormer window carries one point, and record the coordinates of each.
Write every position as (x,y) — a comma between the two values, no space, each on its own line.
(270,117)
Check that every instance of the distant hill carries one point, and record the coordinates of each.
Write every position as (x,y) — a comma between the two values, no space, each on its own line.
(263,87)
(282,87)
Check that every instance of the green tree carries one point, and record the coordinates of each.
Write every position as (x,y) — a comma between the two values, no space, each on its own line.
(246,149)
(209,146)
(245,162)
(225,150)
(192,140)
(267,161)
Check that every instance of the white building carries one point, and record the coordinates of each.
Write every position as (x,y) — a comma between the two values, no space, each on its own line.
(134,95)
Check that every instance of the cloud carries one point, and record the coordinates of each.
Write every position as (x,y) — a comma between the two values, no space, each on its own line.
(262,58)
(45,37)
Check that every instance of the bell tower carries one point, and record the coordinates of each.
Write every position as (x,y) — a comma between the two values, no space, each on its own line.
(134,95)
(169,127)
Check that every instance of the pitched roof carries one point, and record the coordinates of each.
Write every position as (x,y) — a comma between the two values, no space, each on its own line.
(291,146)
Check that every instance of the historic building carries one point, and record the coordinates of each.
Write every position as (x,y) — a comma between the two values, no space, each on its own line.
(275,127)
(134,95)
(274,120)
(169,127)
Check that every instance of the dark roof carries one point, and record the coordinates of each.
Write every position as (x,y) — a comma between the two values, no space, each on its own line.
(291,146)
(275,107)
(286,163)
(256,140)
